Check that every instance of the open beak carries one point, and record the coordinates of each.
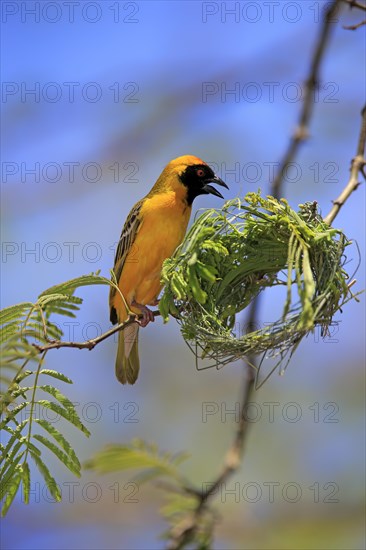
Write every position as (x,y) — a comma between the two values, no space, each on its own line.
(208,189)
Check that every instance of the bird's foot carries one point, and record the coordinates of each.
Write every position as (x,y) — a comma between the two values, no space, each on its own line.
(147,314)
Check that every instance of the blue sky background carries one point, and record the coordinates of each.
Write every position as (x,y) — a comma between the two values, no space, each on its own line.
(150,63)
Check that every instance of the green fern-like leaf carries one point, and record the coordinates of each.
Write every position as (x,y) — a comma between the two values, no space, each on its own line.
(25,475)
(49,479)
(57,375)
(66,458)
(23,327)
(137,455)
(61,440)
(12,487)
(13,313)
(68,414)
(69,287)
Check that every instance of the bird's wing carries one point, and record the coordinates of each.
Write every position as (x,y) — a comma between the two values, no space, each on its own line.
(125,243)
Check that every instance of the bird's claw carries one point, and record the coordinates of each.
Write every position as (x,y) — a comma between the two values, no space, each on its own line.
(147,314)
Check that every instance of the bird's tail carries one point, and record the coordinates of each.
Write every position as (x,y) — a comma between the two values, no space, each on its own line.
(127,361)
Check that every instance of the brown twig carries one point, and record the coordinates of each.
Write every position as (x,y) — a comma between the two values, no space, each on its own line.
(90,344)
(355,4)
(301,132)
(357,166)
(354,27)
(182,533)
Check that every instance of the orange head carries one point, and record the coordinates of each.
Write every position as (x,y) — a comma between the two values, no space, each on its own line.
(191,174)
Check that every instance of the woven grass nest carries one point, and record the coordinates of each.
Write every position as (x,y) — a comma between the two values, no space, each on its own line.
(231,255)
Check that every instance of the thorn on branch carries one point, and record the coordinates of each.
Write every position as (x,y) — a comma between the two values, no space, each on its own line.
(301,133)
(233,459)
(362,170)
(353,282)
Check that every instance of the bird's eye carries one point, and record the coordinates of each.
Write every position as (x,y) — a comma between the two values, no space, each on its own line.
(200,173)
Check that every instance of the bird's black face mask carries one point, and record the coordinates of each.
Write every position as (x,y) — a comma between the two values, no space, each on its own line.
(197,179)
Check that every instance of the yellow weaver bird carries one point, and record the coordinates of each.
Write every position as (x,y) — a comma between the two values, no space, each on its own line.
(153,229)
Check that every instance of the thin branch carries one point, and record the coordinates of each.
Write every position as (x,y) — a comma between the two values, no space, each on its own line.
(355,4)
(357,166)
(183,532)
(301,132)
(90,344)
(354,27)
